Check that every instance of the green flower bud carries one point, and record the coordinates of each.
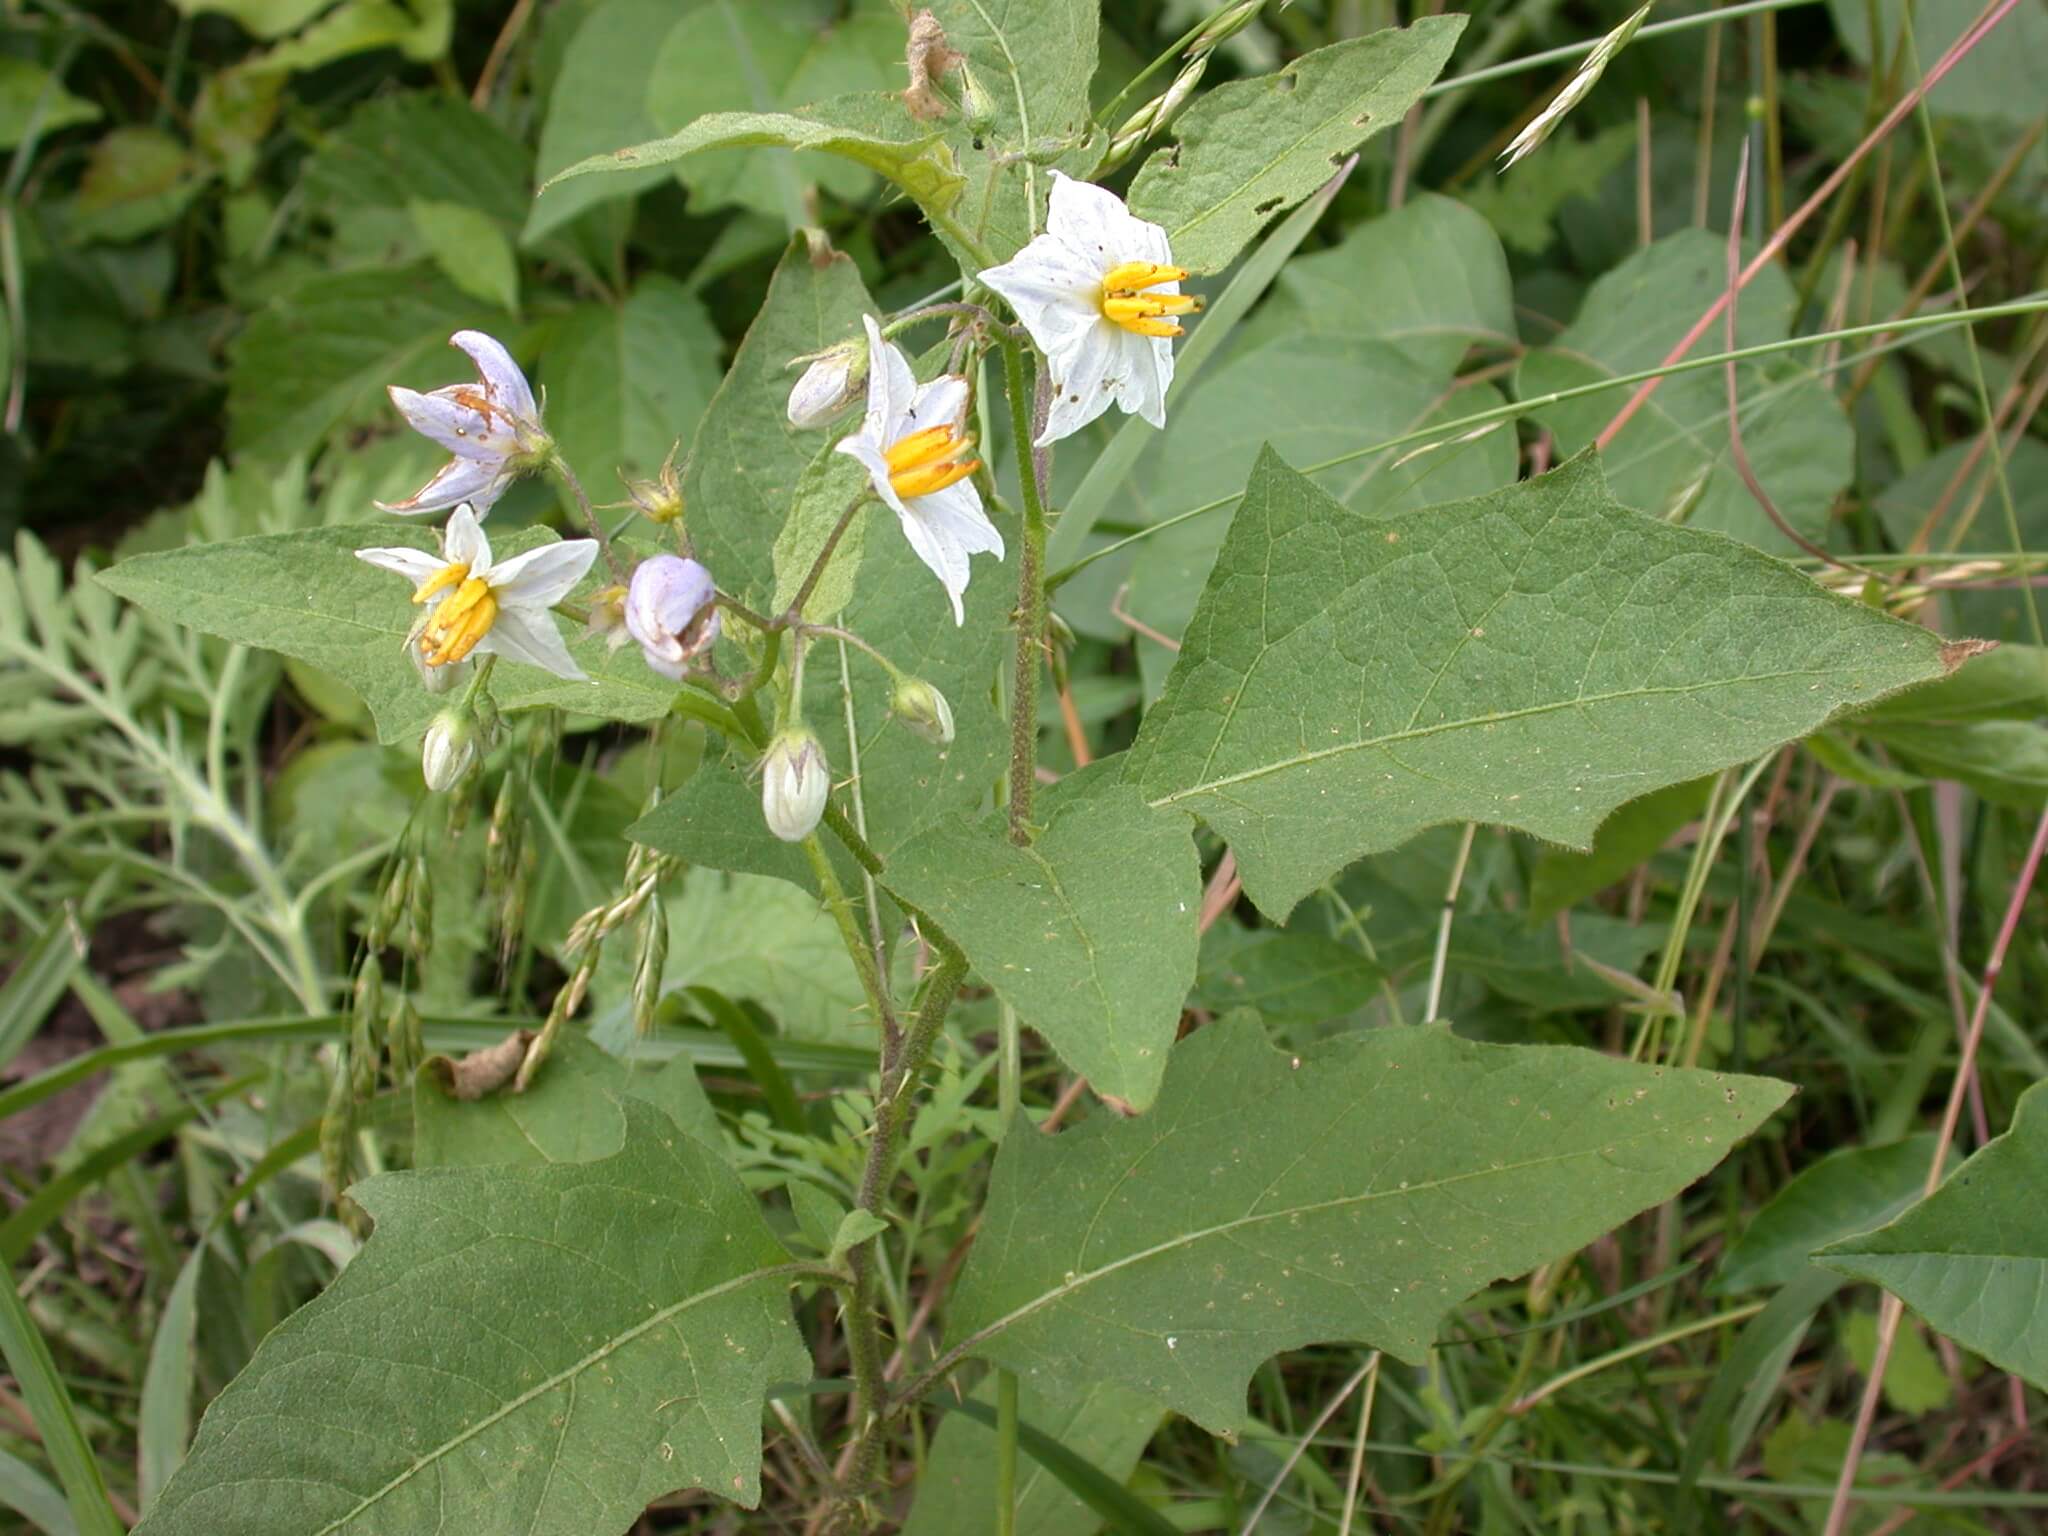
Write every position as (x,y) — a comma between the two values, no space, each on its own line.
(923,709)
(448,754)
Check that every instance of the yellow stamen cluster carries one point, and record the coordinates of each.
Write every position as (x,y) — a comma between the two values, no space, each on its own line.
(1125,301)
(460,619)
(930,461)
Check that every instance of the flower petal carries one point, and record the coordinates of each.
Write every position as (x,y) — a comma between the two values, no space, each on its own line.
(1147,372)
(530,635)
(503,382)
(476,481)
(451,418)
(1086,379)
(932,541)
(464,543)
(415,565)
(1094,222)
(941,403)
(870,456)
(542,577)
(892,387)
(957,508)
(1056,293)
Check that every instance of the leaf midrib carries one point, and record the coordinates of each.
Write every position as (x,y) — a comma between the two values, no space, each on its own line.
(1393,738)
(565,1376)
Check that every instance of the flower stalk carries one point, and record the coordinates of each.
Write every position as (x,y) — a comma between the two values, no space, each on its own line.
(1030,617)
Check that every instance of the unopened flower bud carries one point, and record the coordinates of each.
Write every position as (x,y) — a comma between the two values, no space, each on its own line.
(660,499)
(794,782)
(671,612)
(977,107)
(924,709)
(836,378)
(449,751)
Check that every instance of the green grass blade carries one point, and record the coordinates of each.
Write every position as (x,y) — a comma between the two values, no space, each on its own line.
(1122,1510)
(28,1493)
(38,981)
(49,1405)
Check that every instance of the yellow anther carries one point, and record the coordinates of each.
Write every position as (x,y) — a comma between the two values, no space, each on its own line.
(929,461)
(462,618)
(446,577)
(1128,277)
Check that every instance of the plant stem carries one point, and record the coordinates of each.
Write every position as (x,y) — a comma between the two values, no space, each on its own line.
(817,570)
(1009,1099)
(574,487)
(900,1069)
(1443,929)
(1030,616)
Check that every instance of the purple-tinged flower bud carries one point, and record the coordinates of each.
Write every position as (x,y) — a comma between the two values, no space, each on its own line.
(836,378)
(924,709)
(795,780)
(670,610)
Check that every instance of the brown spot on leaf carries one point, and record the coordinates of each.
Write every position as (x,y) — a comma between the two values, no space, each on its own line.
(1955,652)
(929,59)
(485,1071)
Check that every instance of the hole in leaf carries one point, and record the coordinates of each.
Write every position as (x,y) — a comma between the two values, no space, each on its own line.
(1286,81)
(1266,207)
(1361,120)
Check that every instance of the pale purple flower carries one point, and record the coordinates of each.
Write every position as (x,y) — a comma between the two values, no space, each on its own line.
(669,610)
(492,427)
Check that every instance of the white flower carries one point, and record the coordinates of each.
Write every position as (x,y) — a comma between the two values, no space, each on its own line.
(492,427)
(914,444)
(924,710)
(491,610)
(448,751)
(1096,291)
(794,783)
(828,386)
(669,611)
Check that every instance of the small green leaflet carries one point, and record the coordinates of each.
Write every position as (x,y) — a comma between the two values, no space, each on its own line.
(306,595)
(871,129)
(1252,148)
(542,1349)
(1972,1258)
(1355,1191)
(1847,1191)
(1533,657)
(1089,933)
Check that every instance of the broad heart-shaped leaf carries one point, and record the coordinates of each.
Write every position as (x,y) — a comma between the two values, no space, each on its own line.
(1674,456)
(870,129)
(627,382)
(1533,658)
(319,356)
(306,595)
(1972,1258)
(1251,148)
(1089,933)
(541,1349)
(1356,1191)
(573,1113)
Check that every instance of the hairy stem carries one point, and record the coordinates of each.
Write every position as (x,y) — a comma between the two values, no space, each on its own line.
(817,571)
(1030,603)
(574,487)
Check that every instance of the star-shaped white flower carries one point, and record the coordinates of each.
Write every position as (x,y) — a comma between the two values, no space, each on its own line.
(492,427)
(490,609)
(915,446)
(1097,292)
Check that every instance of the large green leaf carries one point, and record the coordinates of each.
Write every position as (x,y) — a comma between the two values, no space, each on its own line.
(318,358)
(599,102)
(307,596)
(871,130)
(1428,277)
(1674,455)
(736,56)
(1089,933)
(628,382)
(1291,977)
(1972,1258)
(31,95)
(1355,1191)
(1847,1191)
(1250,148)
(1533,658)
(1104,1424)
(541,1348)
(574,1112)
(1998,80)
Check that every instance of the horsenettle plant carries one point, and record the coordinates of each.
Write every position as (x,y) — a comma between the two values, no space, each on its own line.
(573,1303)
